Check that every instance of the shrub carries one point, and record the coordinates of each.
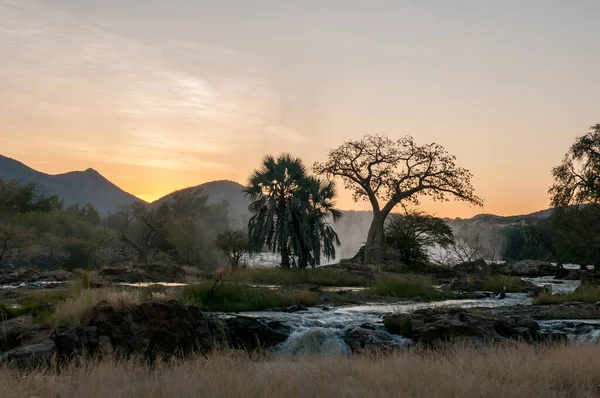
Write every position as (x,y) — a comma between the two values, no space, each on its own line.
(413,287)
(232,297)
(316,276)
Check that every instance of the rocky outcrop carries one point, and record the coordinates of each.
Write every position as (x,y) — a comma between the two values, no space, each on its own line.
(433,328)
(148,330)
(152,329)
(144,273)
(526,268)
(250,333)
(21,331)
(468,283)
(571,310)
(370,338)
(29,275)
(30,356)
(473,267)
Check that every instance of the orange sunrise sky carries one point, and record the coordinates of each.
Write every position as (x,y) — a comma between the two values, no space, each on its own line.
(161,95)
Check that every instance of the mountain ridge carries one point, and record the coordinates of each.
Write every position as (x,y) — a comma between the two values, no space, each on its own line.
(112,196)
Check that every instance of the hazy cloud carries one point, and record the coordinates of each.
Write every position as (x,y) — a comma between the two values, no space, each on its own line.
(167,105)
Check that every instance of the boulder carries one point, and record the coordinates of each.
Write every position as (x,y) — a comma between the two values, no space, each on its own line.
(30,356)
(370,338)
(526,268)
(148,330)
(21,331)
(246,332)
(431,328)
(28,275)
(472,267)
(144,273)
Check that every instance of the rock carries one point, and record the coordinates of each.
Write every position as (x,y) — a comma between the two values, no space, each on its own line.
(472,267)
(294,308)
(150,330)
(525,268)
(144,273)
(31,356)
(246,332)
(20,331)
(549,311)
(431,328)
(369,337)
(29,275)
(71,341)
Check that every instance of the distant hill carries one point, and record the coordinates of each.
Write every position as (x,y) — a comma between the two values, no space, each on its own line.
(218,191)
(75,187)
(89,186)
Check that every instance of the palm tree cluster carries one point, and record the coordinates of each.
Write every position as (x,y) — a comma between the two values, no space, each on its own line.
(291,211)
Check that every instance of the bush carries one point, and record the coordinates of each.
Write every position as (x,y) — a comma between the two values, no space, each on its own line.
(413,287)
(232,297)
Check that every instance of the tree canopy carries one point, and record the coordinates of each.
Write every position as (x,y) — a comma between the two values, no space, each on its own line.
(412,234)
(577,178)
(290,211)
(386,173)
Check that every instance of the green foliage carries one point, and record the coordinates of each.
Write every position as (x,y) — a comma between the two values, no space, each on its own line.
(584,294)
(386,173)
(411,287)
(21,199)
(569,235)
(290,211)
(413,233)
(231,297)
(499,283)
(577,178)
(316,276)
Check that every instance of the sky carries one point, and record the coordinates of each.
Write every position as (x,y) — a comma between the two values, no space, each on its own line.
(160,95)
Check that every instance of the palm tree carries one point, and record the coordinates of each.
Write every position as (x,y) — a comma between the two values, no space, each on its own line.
(313,205)
(271,189)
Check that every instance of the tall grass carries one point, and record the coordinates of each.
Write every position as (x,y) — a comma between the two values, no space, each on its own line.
(70,311)
(412,287)
(496,372)
(316,276)
(584,294)
(233,297)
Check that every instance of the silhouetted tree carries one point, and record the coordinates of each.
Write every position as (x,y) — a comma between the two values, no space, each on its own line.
(379,169)
(234,245)
(413,233)
(577,178)
(290,211)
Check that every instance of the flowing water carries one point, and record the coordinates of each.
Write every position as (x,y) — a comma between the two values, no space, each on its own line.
(322,329)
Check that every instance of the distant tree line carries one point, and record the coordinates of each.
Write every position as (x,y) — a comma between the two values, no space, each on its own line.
(572,232)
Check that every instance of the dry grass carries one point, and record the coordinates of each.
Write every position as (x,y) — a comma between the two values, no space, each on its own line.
(494,372)
(585,294)
(70,311)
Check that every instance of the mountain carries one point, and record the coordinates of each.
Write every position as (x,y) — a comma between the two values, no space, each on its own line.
(89,186)
(218,191)
(75,187)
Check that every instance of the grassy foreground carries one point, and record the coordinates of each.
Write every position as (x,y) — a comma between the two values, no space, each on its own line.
(461,372)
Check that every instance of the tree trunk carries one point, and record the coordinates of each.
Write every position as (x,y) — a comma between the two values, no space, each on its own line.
(375,246)
(285,256)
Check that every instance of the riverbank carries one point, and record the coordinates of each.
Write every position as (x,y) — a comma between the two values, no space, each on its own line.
(499,371)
